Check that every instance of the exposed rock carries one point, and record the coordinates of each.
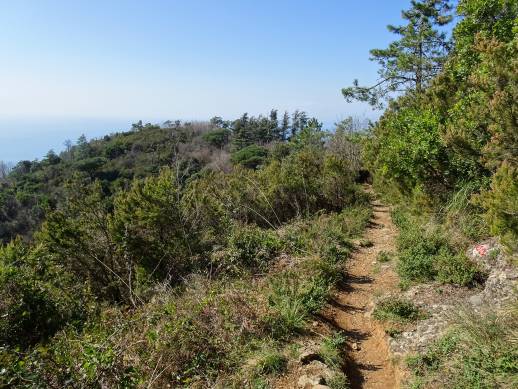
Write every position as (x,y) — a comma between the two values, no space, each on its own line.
(309,382)
(309,353)
(314,373)
(476,300)
(443,303)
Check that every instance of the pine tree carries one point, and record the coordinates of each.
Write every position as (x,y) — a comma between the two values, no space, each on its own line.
(298,122)
(241,133)
(274,129)
(410,62)
(285,126)
(82,147)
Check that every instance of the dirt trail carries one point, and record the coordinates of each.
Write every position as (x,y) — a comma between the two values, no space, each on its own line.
(370,364)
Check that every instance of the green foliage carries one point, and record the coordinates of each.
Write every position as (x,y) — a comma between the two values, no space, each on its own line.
(501,202)
(458,138)
(480,352)
(331,350)
(248,247)
(37,296)
(409,63)
(271,362)
(78,236)
(338,381)
(192,337)
(32,189)
(287,302)
(250,156)
(213,236)
(303,183)
(218,137)
(426,254)
(149,229)
(384,256)
(408,149)
(90,165)
(395,309)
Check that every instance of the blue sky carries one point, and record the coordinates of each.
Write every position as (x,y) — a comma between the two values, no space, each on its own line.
(73,67)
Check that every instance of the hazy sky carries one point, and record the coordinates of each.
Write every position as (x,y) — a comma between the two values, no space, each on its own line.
(71,67)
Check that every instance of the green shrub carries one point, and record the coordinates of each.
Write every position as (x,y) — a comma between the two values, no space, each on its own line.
(150,230)
(250,157)
(293,300)
(271,362)
(384,256)
(90,165)
(408,149)
(426,255)
(338,381)
(455,269)
(217,138)
(395,309)
(192,337)
(366,243)
(286,301)
(331,350)
(37,296)
(501,202)
(249,247)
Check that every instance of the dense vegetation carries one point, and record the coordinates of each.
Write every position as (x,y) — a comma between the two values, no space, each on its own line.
(459,134)
(445,152)
(145,257)
(194,254)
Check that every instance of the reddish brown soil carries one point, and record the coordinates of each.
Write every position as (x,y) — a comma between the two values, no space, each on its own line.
(370,364)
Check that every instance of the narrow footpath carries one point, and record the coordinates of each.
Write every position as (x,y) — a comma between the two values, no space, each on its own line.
(370,364)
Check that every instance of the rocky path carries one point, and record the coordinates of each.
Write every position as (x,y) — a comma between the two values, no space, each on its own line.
(370,364)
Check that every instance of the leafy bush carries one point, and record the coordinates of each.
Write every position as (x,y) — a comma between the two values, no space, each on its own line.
(189,338)
(408,149)
(425,254)
(37,297)
(249,247)
(501,202)
(250,156)
(90,165)
(279,192)
(217,138)
(384,256)
(149,230)
(338,381)
(331,350)
(460,132)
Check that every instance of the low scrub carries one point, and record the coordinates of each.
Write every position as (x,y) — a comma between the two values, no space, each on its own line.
(205,330)
(426,254)
(479,352)
(397,310)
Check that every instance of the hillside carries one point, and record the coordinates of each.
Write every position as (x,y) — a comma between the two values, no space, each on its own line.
(268,252)
(33,187)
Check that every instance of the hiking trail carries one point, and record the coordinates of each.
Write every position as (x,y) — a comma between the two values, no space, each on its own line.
(369,364)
